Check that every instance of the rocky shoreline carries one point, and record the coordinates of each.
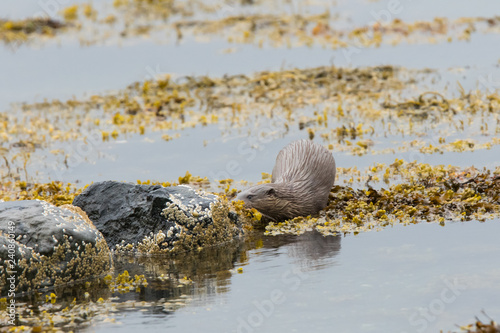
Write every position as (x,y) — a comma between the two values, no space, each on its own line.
(44,246)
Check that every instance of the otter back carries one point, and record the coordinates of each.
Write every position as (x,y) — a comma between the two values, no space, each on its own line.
(309,169)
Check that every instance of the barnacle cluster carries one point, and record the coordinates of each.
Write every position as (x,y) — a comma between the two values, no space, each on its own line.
(68,262)
(196,227)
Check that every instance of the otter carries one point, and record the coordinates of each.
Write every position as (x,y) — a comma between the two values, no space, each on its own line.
(302,178)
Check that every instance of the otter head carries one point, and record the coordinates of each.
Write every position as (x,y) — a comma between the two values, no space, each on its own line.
(261,197)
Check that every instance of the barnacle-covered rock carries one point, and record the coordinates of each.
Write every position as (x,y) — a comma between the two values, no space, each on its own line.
(156,219)
(43,245)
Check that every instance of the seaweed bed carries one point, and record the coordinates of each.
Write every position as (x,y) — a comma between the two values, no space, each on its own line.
(361,102)
(126,19)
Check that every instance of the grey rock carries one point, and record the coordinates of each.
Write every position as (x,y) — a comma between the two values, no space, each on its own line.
(128,213)
(42,245)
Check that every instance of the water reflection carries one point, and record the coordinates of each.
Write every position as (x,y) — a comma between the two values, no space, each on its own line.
(202,280)
(377,283)
(310,251)
(209,273)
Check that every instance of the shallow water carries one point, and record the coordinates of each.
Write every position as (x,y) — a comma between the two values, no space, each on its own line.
(162,161)
(75,70)
(418,278)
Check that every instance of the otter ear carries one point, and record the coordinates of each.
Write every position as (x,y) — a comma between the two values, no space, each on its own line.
(271,191)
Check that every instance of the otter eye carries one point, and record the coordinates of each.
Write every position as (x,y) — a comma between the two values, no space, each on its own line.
(249,197)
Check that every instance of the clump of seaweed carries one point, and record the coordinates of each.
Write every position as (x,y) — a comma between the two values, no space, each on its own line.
(187,179)
(425,104)
(160,9)
(124,283)
(18,31)
(57,193)
(481,326)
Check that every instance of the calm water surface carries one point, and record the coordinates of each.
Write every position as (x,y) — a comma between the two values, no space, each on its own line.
(418,278)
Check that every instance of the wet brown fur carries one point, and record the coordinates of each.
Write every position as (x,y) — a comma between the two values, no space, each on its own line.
(301,181)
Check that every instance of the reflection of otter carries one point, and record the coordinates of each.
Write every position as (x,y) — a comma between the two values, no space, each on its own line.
(302,178)
(311,249)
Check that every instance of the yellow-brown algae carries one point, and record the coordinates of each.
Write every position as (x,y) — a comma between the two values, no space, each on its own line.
(481,326)
(19,31)
(56,193)
(334,104)
(144,18)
